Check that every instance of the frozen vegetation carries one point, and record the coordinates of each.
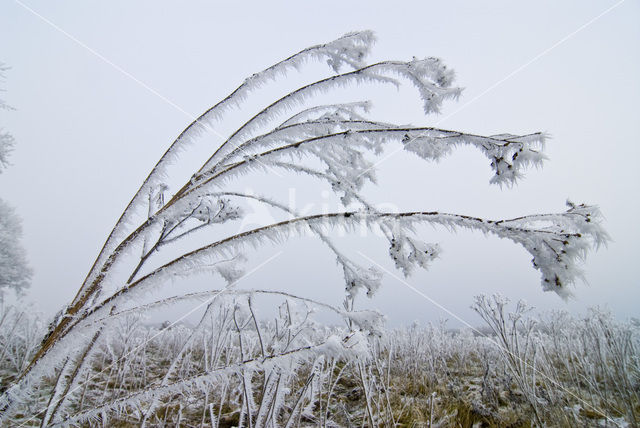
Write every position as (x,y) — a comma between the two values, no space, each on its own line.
(97,362)
(238,369)
(15,272)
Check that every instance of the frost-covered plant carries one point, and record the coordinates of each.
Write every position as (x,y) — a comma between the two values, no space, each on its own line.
(567,369)
(333,143)
(514,333)
(599,355)
(6,139)
(20,333)
(15,272)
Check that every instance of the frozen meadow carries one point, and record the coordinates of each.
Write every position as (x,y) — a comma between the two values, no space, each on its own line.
(238,369)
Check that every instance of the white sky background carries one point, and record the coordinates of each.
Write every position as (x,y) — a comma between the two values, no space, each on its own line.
(87,134)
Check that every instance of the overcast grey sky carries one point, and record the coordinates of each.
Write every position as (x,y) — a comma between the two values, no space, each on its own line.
(102,88)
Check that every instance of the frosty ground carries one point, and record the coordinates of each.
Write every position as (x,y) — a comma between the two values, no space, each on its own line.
(238,369)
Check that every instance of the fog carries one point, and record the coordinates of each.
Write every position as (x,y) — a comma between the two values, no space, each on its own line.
(100,90)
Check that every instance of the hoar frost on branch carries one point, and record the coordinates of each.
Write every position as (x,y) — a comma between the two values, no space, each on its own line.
(341,139)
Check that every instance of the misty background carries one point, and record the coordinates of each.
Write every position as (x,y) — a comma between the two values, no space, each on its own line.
(102,89)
